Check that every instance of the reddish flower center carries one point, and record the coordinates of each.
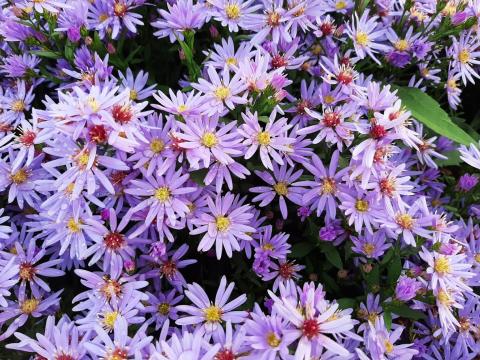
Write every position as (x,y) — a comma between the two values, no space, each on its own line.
(387,187)
(117,177)
(310,328)
(273,19)
(64,356)
(114,241)
(122,113)
(97,133)
(27,138)
(176,143)
(331,119)
(26,271)
(302,105)
(377,131)
(394,115)
(225,354)
(111,288)
(345,61)
(345,77)
(120,9)
(118,354)
(286,270)
(168,268)
(326,28)
(279,61)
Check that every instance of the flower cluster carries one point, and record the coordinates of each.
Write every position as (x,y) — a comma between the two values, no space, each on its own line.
(239,179)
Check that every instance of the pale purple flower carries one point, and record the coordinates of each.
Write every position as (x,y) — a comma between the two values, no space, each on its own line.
(406,288)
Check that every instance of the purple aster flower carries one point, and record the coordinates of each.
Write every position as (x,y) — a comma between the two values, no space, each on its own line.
(163,196)
(205,141)
(180,103)
(282,184)
(360,208)
(210,314)
(121,346)
(275,246)
(72,19)
(398,59)
(24,308)
(233,14)
(325,185)
(313,320)
(18,66)
(465,52)
(136,85)
(273,140)
(406,288)
(225,55)
(371,246)
(467,182)
(162,307)
(333,232)
(284,272)
(17,100)
(221,92)
(59,341)
(53,6)
(182,16)
(225,223)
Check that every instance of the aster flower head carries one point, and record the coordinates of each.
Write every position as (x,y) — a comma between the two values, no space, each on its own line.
(211,314)
(370,246)
(233,13)
(226,222)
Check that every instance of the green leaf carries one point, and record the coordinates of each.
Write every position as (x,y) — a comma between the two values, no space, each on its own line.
(426,110)
(332,255)
(387,318)
(404,311)
(301,249)
(394,269)
(47,54)
(198,176)
(346,303)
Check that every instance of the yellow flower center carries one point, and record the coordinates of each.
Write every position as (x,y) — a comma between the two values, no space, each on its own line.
(442,265)
(477,257)
(29,306)
(264,138)
(268,246)
(273,340)
(157,146)
(163,309)
(281,188)
(405,221)
(362,38)
(329,186)
(19,177)
(133,94)
(213,314)
(73,226)
(18,105)
(231,61)
(182,108)
(401,45)
(109,319)
(444,298)
(93,103)
(361,205)
(82,159)
(329,99)
(464,56)
(368,249)
(372,317)
(232,11)
(223,223)
(209,139)
(162,194)
(222,92)
(102,17)
(388,346)
(340,5)
(452,84)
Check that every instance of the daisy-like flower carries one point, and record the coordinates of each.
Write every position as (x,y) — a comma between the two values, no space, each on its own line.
(272,141)
(136,85)
(29,270)
(162,307)
(225,55)
(284,272)
(233,13)
(206,140)
(17,101)
(124,17)
(282,184)
(163,197)
(180,103)
(361,209)
(221,93)
(53,6)
(275,246)
(179,17)
(447,300)
(59,341)
(447,271)
(121,346)
(371,246)
(18,66)
(453,91)
(211,314)
(366,32)
(313,319)
(226,222)
(325,185)
(465,53)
